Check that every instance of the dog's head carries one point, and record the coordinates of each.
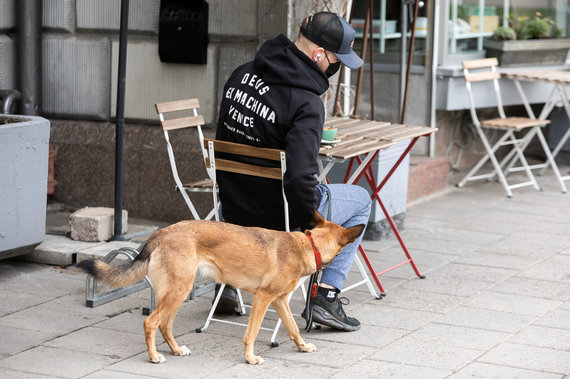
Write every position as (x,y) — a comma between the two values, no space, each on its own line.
(330,238)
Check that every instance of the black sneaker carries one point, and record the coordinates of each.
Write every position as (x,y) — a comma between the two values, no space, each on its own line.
(229,303)
(331,314)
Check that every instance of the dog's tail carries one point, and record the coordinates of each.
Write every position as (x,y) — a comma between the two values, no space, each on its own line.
(118,276)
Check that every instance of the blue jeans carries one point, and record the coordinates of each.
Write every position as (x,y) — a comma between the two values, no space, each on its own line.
(351,205)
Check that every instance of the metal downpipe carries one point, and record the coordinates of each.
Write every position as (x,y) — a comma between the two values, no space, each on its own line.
(29,14)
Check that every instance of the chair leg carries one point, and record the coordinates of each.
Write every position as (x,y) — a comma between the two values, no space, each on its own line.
(550,159)
(517,147)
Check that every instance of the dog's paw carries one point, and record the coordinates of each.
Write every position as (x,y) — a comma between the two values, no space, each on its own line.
(159,358)
(185,351)
(307,348)
(254,360)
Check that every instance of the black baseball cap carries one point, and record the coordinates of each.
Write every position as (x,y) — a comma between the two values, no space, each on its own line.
(333,33)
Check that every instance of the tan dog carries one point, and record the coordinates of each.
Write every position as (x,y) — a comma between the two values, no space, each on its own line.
(264,262)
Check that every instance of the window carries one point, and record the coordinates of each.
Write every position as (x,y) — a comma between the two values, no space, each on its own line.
(465,30)
(387,30)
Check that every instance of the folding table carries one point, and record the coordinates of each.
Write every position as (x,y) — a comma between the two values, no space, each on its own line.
(359,142)
(559,79)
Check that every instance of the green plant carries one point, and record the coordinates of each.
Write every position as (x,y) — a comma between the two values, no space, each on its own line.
(524,27)
(535,28)
(504,33)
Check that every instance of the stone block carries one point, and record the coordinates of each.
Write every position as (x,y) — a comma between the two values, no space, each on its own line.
(237,18)
(7,14)
(7,62)
(59,14)
(94,224)
(150,81)
(105,15)
(77,83)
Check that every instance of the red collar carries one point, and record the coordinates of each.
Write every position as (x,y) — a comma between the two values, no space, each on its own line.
(317,253)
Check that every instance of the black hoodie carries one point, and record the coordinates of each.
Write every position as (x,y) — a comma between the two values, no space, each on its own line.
(274,102)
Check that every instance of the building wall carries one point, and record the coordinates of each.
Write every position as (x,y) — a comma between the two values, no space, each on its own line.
(80,57)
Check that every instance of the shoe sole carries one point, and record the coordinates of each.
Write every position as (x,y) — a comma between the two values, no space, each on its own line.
(319,318)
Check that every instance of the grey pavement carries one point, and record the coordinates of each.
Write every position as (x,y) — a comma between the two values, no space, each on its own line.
(494,304)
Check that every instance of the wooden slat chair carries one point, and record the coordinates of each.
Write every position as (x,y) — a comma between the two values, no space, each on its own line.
(486,70)
(180,121)
(229,165)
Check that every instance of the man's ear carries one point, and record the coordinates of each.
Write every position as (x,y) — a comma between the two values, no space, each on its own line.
(351,233)
(317,219)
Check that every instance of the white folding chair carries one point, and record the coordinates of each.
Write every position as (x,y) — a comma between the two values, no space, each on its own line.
(229,165)
(181,120)
(486,70)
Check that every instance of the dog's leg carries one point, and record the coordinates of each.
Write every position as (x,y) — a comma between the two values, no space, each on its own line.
(282,307)
(166,331)
(260,303)
(163,318)
(151,323)
(172,301)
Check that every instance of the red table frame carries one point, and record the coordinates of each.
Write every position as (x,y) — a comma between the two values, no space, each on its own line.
(368,173)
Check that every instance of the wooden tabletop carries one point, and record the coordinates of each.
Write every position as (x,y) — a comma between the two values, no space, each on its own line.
(553,76)
(358,137)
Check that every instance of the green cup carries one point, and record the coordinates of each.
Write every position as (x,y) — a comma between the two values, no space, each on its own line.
(329,134)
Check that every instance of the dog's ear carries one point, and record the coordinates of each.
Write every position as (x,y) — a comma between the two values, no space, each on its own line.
(351,233)
(318,220)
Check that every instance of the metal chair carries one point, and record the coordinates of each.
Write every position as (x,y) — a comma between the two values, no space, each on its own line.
(230,165)
(181,121)
(507,126)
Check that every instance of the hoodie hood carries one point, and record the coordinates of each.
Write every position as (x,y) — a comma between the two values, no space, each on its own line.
(280,62)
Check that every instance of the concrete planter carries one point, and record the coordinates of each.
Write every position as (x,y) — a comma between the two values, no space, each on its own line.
(528,52)
(24,153)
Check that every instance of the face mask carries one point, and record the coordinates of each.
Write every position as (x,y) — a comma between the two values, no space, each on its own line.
(332,69)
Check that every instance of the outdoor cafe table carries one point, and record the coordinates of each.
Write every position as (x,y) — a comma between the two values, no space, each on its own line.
(559,80)
(359,142)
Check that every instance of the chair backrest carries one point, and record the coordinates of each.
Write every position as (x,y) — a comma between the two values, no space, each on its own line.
(486,69)
(179,111)
(228,164)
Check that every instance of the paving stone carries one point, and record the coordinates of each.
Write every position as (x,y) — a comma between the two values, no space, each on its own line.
(455,286)
(14,301)
(342,357)
(486,319)
(553,338)
(407,319)
(512,303)
(529,244)
(110,374)
(529,357)
(558,318)
(57,250)
(449,335)
(16,340)
(174,367)
(493,371)
(98,341)
(439,245)
(379,369)
(274,368)
(368,335)
(12,374)
(100,251)
(535,288)
(46,319)
(422,300)
(56,362)
(497,260)
(553,269)
(426,354)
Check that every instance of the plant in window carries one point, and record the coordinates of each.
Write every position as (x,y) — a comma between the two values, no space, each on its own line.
(504,33)
(535,28)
